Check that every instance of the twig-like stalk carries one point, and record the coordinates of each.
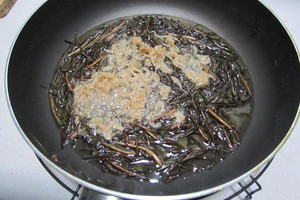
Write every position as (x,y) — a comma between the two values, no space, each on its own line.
(217,117)
(149,131)
(97,39)
(118,149)
(179,125)
(143,148)
(52,104)
(128,172)
(96,61)
(246,85)
(70,87)
(163,115)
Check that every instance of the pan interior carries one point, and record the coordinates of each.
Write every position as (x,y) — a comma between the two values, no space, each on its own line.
(250,28)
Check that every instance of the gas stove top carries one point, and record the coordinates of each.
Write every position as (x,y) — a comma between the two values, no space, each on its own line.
(23,176)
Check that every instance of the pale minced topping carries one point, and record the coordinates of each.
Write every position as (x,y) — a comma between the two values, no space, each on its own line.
(126,90)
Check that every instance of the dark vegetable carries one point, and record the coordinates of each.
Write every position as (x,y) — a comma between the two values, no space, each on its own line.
(208,133)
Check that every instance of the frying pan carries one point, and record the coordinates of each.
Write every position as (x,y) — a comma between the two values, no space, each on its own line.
(248,26)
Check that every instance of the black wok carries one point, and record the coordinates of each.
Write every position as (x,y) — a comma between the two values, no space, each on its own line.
(248,26)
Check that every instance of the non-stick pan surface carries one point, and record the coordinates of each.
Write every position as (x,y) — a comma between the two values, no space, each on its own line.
(248,26)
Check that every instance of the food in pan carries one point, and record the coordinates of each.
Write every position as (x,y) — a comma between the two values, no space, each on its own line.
(153,97)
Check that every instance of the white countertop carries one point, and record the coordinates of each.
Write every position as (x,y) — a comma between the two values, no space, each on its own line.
(23,177)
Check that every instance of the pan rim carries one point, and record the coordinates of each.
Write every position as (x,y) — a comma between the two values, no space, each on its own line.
(134,196)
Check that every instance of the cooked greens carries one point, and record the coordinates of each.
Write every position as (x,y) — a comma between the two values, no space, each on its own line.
(153,97)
